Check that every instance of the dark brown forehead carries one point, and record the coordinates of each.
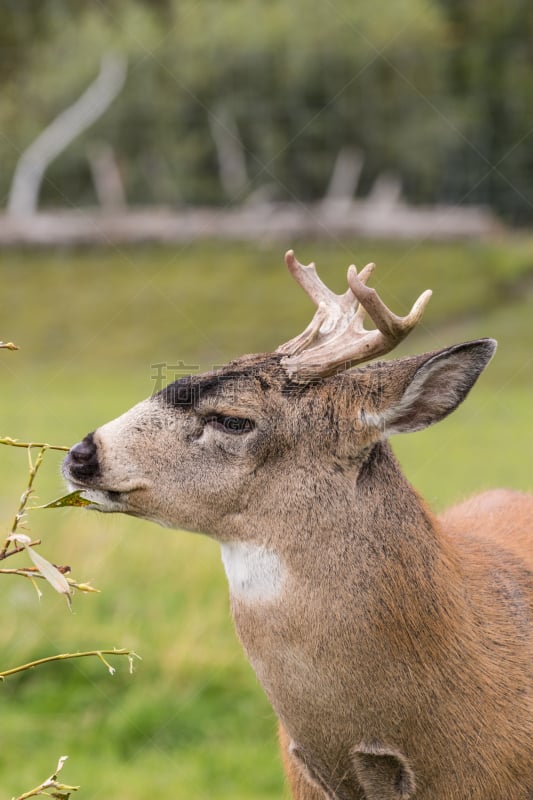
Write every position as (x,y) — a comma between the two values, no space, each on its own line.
(246,373)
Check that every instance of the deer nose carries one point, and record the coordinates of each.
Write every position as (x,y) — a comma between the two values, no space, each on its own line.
(82,459)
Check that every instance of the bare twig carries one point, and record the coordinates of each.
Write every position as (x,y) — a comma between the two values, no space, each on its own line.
(25,496)
(62,790)
(15,443)
(8,346)
(33,572)
(20,549)
(64,656)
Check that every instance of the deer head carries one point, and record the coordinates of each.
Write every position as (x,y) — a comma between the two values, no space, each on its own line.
(245,448)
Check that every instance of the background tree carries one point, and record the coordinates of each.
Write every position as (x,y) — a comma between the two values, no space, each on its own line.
(437,92)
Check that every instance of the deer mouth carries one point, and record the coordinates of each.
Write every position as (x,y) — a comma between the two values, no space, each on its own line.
(82,471)
(101,499)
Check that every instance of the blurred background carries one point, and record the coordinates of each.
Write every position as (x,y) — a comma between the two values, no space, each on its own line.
(158,158)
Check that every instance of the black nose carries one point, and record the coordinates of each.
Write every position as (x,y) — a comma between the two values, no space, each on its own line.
(82,459)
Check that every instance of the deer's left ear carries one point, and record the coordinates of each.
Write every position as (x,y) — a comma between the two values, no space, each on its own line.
(437,387)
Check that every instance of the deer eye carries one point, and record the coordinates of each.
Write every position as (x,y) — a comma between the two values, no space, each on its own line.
(230,424)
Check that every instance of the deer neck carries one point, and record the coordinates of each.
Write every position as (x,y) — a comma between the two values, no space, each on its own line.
(339,533)
(366,582)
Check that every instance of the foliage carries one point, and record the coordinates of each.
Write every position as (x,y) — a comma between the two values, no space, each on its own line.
(16,543)
(91,326)
(435,90)
(489,72)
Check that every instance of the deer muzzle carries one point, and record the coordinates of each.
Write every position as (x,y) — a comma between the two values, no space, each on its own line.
(81,464)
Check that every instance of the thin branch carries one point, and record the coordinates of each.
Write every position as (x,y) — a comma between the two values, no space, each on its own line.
(43,445)
(64,656)
(24,497)
(33,572)
(20,549)
(8,346)
(51,783)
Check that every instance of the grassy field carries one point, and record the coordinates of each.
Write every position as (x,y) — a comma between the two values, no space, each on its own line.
(192,723)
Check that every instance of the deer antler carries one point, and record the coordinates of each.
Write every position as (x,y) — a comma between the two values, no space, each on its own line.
(335,339)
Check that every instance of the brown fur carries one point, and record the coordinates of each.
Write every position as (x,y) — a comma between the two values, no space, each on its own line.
(395,647)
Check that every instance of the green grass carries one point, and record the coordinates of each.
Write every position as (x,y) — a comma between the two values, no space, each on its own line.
(192,721)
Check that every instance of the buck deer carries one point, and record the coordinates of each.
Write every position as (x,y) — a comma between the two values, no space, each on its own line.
(396,647)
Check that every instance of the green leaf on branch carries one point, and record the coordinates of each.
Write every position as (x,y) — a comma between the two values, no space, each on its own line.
(72,499)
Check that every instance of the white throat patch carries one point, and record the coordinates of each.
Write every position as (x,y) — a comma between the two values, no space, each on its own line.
(255,574)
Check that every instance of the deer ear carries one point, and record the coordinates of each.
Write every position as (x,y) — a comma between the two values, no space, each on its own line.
(437,387)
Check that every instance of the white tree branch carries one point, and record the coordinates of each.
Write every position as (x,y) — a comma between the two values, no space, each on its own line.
(31,166)
(345,176)
(106,176)
(230,151)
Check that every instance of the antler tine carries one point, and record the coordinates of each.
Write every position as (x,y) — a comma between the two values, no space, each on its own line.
(363,276)
(336,339)
(306,275)
(391,325)
(331,307)
(365,273)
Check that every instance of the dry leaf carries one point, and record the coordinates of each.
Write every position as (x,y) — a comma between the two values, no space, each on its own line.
(54,577)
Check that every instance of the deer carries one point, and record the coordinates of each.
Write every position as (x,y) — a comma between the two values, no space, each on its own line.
(395,646)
